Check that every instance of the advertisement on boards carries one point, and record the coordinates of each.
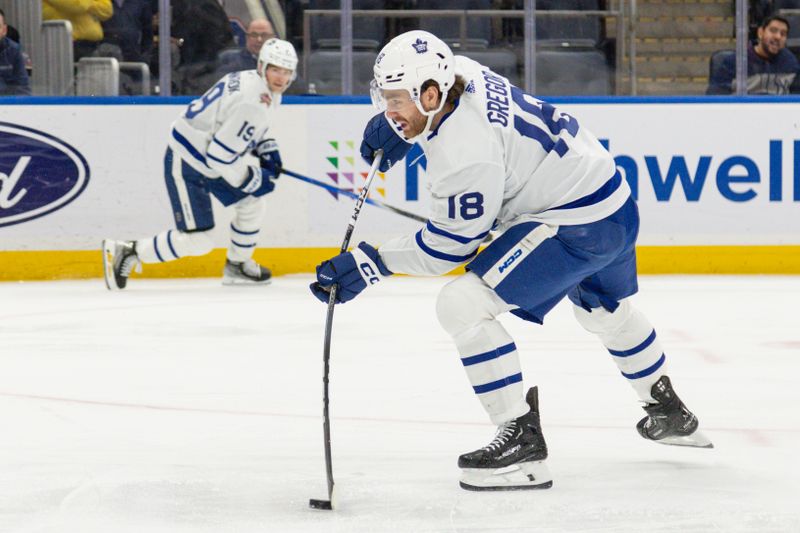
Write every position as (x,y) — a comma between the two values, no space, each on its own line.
(703,174)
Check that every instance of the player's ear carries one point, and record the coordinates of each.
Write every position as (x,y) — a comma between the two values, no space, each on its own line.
(430,98)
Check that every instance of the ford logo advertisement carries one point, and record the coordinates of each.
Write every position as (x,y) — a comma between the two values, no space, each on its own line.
(38,174)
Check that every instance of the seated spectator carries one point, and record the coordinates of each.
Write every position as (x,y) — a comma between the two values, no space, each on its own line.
(258,32)
(131,28)
(13,76)
(771,68)
(86,17)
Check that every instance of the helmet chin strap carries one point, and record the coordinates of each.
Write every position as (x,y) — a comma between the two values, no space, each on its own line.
(430,114)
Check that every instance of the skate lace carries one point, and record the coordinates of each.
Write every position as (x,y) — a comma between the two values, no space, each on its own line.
(128,264)
(504,433)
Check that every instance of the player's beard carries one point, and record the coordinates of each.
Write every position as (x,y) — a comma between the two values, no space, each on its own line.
(416,124)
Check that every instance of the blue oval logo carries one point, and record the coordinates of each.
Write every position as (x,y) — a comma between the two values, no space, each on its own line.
(38,174)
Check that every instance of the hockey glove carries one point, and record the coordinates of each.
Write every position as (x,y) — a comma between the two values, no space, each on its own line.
(269,156)
(379,134)
(259,182)
(351,271)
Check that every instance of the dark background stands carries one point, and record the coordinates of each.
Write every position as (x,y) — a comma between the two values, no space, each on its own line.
(131,28)
(13,76)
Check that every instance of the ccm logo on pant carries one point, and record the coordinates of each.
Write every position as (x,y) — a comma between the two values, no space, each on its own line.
(508,262)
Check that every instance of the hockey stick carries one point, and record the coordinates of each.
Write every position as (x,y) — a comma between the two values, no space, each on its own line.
(326,352)
(371,201)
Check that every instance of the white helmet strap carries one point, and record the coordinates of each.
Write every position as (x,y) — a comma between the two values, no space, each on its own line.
(430,114)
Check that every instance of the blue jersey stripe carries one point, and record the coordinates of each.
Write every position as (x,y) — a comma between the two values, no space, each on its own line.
(499,384)
(218,160)
(455,237)
(240,245)
(441,255)
(647,371)
(633,351)
(597,196)
(240,232)
(488,356)
(189,148)
(226,148)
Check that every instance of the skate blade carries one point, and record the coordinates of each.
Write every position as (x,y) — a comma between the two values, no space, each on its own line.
(108,265)
(522,476)
(697,439)
(239,282)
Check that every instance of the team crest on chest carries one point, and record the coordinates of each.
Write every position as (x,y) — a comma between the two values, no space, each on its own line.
(420,46)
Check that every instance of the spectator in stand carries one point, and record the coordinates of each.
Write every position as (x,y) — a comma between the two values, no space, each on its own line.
(204,27)
(771,68)
(258,32)
(86,17)
(131,28)
(13,76)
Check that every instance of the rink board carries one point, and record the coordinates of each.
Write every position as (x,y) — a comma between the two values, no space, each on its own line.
(717,182)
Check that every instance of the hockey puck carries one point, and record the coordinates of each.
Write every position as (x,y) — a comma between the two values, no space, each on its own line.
(324,505)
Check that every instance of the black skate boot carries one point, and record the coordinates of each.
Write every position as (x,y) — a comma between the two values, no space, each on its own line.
(245,273)
(119,259)
(669,421)
(514,460)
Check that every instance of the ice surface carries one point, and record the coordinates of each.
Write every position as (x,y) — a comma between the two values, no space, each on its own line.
(183,406)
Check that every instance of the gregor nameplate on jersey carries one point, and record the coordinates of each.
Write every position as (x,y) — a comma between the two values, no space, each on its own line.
(38,174)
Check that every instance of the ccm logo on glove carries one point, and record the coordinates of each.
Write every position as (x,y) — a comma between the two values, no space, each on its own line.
(351,272)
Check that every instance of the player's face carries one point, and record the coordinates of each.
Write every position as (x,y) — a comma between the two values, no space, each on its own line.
(401,109)
(278,78)
(773,37)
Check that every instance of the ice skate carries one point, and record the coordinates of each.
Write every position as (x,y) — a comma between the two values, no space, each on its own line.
(514,460)
(119,259)
(245,273)
(669,421)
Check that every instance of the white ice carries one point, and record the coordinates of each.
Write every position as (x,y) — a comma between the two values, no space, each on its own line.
(181,406)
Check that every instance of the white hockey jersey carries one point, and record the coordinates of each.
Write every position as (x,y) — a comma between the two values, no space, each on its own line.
(219,129)
(500,158)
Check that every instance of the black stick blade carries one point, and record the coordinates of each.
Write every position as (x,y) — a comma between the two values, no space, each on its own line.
(324,505)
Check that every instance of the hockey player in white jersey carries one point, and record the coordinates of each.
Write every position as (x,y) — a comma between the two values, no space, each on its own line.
(500,159)
(220,146)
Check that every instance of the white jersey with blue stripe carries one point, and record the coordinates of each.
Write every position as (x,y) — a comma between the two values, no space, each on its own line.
(502,157)
(219,129)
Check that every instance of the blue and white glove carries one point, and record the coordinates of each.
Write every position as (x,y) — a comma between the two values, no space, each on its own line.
(379,134)
(351,271)
(258,182)
(269,156)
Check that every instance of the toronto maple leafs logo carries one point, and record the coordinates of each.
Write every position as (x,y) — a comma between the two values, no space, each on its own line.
(470,87)
(420,46)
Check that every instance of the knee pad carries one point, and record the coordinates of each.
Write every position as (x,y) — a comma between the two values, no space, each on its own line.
(466,301)
(602,322)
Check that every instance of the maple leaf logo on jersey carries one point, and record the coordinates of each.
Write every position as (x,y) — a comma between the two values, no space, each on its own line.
(470,87)
(420,46)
